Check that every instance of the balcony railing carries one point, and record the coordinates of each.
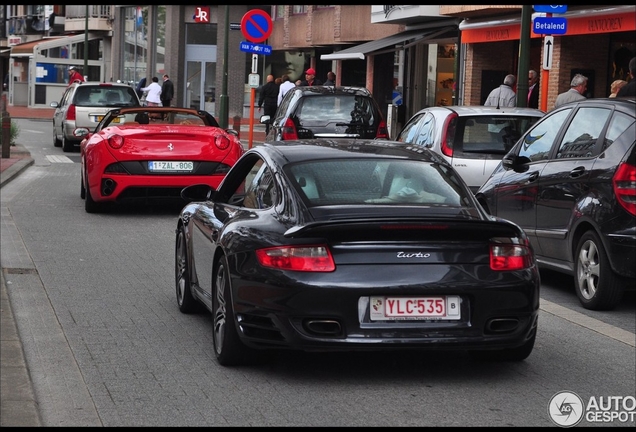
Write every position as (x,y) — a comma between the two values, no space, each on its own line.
(94,11)
(99,18)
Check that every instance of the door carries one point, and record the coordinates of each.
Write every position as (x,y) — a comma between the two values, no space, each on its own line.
(200,72)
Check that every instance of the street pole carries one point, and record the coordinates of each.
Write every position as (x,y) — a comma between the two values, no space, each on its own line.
(223,102)
(85,71)
(524,56)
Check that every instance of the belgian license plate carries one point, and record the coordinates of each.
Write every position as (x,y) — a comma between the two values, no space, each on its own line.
(415,308)
(115,120)
(170,166)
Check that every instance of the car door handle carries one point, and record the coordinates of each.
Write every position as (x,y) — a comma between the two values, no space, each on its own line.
(214,235)
(533,177)
(577,172)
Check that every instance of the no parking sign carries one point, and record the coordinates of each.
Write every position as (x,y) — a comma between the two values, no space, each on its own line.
(256,25)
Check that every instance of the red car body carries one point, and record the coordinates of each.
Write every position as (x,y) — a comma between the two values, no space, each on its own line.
(123,159)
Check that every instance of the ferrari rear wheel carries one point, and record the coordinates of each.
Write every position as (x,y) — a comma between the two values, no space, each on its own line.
(229,349)
(187,303)
(82,188)
(89,204)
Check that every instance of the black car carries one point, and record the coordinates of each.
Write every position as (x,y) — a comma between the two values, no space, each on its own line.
(352,244)
(570,183)
(326,112)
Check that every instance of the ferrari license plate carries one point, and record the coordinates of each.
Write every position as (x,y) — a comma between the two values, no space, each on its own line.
(415,308)
(170,166)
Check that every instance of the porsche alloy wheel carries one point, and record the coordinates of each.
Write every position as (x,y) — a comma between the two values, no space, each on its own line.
(597,286)
(228,348)
(185,300)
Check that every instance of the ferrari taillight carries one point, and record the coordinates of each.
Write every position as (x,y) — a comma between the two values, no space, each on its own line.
(116,141)
(383,131)
(222,142)
(297,258)
(70,112)
(506,255)
(289,130)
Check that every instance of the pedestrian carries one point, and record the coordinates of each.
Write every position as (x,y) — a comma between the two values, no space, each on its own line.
(310,78)
(616,86)
(74,75)
(167,91)
(278,81)
(575,93)
(299,83)
(153,99)
(504,95)
(533,89)
(629,89)
(140,85)
(285,86)
(268,99)
(331,79)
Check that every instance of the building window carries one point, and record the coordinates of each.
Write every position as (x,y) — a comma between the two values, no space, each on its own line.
(279,12)
(299,10)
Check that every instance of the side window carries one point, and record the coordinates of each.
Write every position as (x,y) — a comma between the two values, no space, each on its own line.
(260,187)
(408,133)
(426,134)
(619,124)
(583,133)
(537,143)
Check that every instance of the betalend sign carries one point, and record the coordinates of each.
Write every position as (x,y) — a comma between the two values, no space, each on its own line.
(549,25)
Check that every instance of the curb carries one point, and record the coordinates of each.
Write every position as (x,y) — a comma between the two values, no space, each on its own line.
(14,170)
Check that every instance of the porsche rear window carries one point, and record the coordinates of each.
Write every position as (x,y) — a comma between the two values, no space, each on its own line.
(386,182)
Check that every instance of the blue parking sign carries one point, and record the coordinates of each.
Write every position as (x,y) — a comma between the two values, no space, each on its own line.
(560,9)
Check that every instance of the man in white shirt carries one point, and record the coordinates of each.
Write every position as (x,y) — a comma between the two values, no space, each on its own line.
(285,86)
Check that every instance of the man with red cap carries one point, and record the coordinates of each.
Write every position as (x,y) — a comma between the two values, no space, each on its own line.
(310,78)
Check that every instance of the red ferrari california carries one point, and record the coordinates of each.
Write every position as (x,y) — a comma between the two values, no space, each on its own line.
(153,152)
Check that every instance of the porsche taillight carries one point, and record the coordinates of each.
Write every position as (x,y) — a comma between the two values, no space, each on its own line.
(506,255)
(222,142)
(297,258)
(448,135)
(70,112)
(289,130)
(383,131)
(624,183)
(116,141)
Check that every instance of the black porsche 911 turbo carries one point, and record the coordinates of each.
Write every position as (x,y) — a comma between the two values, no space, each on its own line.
(353,244)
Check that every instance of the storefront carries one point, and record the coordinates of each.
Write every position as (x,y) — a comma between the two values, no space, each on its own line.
(38,70)
(598,43)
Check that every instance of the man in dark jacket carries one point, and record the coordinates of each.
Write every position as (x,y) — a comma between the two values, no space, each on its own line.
(167,91)
(629,89)
(310,78)
(268,99)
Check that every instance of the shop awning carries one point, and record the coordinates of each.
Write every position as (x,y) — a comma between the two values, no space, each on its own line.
(28,48)
(388,43)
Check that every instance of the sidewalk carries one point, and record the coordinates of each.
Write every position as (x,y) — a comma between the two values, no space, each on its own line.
(18,405)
